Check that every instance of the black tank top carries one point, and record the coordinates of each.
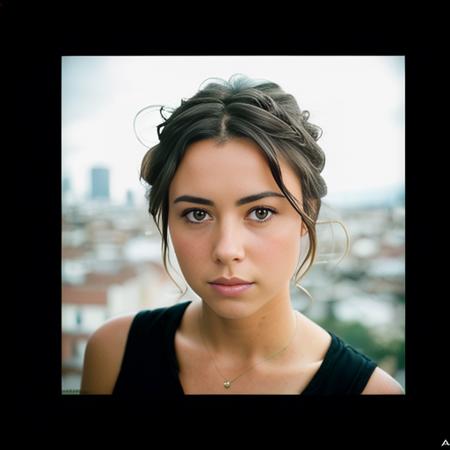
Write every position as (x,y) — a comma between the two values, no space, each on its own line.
(149,365)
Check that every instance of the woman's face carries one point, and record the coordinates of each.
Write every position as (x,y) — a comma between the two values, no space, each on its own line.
(257,241)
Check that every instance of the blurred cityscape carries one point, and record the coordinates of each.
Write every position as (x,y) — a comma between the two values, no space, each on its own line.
(111,265)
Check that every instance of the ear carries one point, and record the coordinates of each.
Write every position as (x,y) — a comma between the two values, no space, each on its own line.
(303,229)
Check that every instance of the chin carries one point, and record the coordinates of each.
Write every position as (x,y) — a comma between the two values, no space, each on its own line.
(232,307)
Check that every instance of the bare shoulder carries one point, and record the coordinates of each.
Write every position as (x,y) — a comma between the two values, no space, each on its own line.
(317,337)
(382,383)
(103,355)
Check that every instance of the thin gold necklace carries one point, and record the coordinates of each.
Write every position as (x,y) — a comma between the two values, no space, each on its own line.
(228,382)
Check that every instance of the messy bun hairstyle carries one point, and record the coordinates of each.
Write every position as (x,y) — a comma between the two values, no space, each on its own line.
(240,107)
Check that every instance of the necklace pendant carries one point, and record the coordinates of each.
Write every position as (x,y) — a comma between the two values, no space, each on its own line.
(227,384)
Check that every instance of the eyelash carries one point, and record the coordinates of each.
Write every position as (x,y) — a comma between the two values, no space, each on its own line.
(256,208)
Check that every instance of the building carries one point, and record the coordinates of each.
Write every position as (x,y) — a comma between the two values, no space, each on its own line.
(109,268)
(100,183)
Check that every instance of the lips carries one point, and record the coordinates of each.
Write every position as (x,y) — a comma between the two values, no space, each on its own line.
(230,281)
(230,287)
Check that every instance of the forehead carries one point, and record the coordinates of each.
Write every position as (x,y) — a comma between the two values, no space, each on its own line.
(235,168)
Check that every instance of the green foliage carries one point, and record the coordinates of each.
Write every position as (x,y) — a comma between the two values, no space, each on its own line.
(363,339)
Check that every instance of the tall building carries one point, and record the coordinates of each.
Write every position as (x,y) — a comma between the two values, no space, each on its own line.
(66,184)
(100,183)
(129,199)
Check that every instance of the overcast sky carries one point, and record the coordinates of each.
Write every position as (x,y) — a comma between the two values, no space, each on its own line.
(358,101)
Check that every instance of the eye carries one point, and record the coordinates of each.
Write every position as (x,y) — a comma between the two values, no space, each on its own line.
(197,216)
(263,214)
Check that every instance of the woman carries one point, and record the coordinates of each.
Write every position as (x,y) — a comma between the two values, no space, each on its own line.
(235,179)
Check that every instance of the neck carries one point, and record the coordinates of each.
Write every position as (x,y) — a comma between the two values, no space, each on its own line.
(252,338)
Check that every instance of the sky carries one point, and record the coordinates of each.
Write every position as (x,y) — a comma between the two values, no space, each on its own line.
(358,101)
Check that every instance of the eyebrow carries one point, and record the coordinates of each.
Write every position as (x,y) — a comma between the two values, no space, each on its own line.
(240,202)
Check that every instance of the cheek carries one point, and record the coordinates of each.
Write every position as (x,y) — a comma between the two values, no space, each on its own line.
(279,251)
(190,251)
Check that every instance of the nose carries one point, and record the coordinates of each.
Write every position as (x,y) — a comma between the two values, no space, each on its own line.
(228,243)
